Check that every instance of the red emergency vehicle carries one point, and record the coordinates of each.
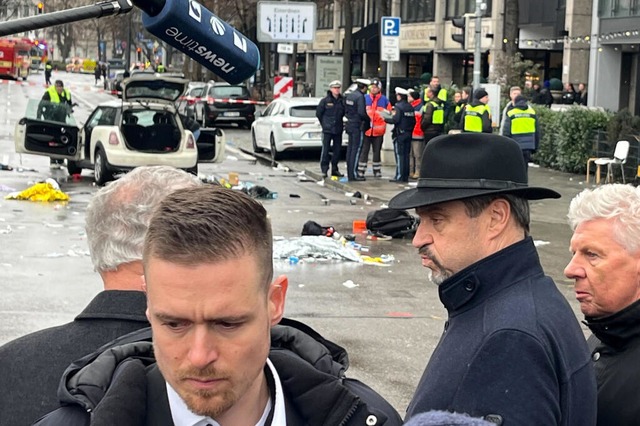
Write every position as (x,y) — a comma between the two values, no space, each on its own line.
(15,58)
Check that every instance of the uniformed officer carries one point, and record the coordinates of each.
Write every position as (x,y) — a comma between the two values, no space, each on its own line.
(432,123)
(357,122)
(330,112)
(48,68)
(404,120)
(521,125)
(477,115)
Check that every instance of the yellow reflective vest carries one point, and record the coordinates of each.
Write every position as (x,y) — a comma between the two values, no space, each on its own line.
(54,97)
(438,112)
(473,117)
(522,121)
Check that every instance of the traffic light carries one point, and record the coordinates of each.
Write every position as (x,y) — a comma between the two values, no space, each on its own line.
(461,37)
(40,8)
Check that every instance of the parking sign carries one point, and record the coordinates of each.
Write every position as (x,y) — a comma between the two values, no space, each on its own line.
(390,38)
(390,26)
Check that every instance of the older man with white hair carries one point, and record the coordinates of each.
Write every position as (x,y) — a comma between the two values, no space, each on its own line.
(606,269)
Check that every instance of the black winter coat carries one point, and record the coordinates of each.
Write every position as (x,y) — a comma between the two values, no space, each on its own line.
(121,385)
(31,366)
(615,346)
(330,112)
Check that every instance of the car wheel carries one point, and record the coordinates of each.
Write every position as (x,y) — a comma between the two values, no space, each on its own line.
(101,172)
(256,148)
(275,155)
(73,168)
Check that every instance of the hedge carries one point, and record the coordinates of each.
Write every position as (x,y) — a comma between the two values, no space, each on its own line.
(568,137)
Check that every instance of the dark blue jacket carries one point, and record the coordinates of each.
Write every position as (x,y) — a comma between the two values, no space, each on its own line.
(404,117)
(356,112)
(330,112)
(512,347)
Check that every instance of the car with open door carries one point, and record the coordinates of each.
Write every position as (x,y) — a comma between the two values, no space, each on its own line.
(144,129)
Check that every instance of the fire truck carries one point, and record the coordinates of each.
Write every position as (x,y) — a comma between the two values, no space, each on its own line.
(15,58)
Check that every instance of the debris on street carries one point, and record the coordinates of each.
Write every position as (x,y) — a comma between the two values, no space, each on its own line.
(42,191)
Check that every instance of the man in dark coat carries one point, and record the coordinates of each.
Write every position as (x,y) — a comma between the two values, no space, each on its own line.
(512,351)
(330,112)
(358,122)
(605,267)
(117,219)
(218,354)
(404,120)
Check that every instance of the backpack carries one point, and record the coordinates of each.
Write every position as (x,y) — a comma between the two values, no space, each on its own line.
(392,222)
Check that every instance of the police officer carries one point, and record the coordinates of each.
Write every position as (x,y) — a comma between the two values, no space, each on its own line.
(432,123)
(477,115)
(48,68)
(357,122)
(521,125)
(330,112)
(55,105)
(404,120)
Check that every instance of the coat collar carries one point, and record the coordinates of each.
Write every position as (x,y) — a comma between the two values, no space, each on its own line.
(116,304)
(618,329)
(479,281)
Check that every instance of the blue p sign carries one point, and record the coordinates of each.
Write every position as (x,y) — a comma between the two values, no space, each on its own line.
(390,26)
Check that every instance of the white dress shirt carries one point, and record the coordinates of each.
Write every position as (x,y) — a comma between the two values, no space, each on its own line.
(182,416)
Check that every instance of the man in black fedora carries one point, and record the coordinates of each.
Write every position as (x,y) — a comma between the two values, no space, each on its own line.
(512,351)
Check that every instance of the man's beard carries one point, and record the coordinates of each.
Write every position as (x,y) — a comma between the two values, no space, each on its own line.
(438,273)
(211,403)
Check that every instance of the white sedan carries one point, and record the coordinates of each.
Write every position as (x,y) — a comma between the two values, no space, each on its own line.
(288,124)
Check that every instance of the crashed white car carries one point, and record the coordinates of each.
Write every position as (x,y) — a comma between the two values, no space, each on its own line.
(144,129)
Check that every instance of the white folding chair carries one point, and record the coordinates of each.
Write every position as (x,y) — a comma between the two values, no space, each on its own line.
(619,157)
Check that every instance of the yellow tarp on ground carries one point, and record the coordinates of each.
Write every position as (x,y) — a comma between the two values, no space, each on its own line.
(42,191)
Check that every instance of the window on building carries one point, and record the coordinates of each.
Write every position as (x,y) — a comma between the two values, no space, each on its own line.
(325,16)
(457,8)
(418,10)
(357,9)
(618,8)
(377,9)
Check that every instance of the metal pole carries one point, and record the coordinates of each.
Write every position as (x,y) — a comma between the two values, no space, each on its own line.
(127,59)
(477,56)
(388,78)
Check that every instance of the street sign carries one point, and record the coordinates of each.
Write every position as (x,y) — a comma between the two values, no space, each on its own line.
(390,26)
(285,48)
(286,22)
(390,38)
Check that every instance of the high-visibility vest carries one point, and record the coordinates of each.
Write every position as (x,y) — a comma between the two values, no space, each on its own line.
(160,68)
(442,95)
(438,112)
(53,94)
(473,118)
(48,67)
(522,121)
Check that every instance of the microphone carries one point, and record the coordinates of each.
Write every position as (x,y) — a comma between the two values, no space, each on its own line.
(194,30)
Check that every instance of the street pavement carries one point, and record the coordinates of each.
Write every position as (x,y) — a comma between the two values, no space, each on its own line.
(389,322)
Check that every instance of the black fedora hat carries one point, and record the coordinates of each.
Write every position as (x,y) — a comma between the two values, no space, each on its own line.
(469,165)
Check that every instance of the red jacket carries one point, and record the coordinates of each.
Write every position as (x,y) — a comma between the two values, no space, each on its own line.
(378,126)
(417,130)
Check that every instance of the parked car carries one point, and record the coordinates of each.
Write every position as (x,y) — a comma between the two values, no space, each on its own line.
(288,124)
(225,103)
(187,102)
(143,129)
(114,84)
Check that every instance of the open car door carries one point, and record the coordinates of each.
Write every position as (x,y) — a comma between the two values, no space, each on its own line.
(48,129)
(211,144)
